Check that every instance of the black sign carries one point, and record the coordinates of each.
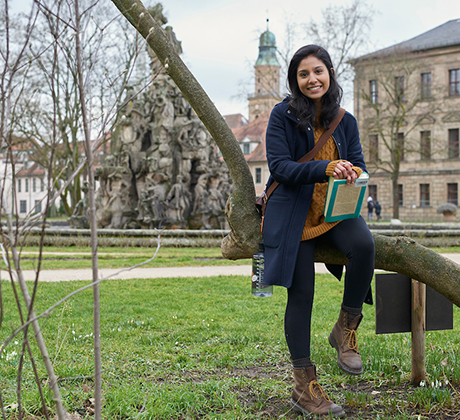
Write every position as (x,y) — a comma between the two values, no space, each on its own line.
(393,306)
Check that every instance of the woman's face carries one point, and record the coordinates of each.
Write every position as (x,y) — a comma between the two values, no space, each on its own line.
(313,78)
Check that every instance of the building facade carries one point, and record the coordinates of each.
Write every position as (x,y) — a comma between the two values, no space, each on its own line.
(28,193)
(251,135)
(407,102)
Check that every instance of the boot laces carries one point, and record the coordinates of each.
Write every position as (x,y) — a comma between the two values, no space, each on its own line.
(316,391)
(351,339)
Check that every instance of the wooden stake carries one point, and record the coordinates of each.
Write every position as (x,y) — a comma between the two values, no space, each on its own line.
(418,332)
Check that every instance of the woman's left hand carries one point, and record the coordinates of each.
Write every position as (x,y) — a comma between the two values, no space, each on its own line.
(343,170)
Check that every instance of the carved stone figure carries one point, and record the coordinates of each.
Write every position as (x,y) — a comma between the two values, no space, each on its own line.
(79,218)
(164,169)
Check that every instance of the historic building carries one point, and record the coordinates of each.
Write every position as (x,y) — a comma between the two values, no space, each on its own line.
(267,78)
(251,135)
(407,102)
(28,195)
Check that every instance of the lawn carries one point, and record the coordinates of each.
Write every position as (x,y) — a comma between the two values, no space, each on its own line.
(205,348)
(58,258)
(78,257)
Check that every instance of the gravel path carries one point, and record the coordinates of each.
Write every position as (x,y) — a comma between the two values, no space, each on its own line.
(163,272)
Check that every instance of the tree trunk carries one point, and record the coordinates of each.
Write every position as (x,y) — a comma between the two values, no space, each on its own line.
(401,255)
(85,113)
(395,196)
(241,213)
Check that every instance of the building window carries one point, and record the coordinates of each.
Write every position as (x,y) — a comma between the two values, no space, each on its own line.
(27,185)
(398,152)
(424,195)
(425,145)
(19,185)
(426,85)
(399,89)
(454,82)
(246,148)
(452,194)
(38,206)
(374,91)
(373,148)
(34,184)
(372,190)
(22,206)
(453,144)
(400,195)
(42,185)
(258,173)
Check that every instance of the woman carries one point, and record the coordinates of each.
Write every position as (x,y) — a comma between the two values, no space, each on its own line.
(294,223)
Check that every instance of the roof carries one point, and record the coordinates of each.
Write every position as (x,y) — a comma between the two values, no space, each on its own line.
(445,35)
(235,120)
(267,50)
(255,131)
(259,154)
(34,170)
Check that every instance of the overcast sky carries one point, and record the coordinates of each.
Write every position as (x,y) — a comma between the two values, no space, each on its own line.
(220,38)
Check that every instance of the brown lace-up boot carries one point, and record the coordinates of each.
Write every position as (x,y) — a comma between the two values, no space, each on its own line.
(308,396)
(343,339)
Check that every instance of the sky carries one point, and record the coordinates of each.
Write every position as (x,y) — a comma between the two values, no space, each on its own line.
(220,38)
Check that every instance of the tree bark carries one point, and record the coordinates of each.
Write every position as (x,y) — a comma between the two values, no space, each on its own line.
(401,255)
(93,225)
(418,307)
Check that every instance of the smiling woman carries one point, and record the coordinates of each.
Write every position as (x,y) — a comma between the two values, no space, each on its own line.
(313,78)
(294,222)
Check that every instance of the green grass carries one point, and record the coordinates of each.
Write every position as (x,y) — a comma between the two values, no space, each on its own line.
(80,257)
(205,348)
(55,258)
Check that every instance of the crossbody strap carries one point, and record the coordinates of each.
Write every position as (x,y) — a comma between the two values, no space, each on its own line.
(309,156)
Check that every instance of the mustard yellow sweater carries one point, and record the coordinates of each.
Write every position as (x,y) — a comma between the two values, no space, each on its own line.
(315,224)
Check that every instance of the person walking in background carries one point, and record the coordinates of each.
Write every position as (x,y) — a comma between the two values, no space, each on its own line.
(370,208)
(294,224)
(378,210)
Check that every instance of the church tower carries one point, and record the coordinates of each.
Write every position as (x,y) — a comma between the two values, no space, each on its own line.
(267,77)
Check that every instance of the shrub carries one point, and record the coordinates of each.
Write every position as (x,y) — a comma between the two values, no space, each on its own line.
(447,208)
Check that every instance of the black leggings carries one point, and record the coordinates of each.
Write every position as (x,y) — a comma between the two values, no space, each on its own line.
(353,238)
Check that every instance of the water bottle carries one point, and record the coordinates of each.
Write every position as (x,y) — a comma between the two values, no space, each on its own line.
(258,288)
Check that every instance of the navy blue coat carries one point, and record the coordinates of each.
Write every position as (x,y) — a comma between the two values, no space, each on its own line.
(288,206)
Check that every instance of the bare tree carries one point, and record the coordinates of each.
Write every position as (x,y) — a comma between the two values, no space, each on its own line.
(20,90)
(388,101)
(344,32)
(16,64)
(53,102)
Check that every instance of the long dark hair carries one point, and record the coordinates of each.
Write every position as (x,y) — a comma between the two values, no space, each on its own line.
(304,108)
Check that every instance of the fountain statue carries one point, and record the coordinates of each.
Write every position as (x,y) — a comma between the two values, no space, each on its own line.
(164,169)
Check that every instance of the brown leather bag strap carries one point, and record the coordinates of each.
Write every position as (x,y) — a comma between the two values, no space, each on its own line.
(309,156)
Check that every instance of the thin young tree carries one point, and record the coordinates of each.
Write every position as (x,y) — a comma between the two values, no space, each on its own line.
(16,64)
(16,78)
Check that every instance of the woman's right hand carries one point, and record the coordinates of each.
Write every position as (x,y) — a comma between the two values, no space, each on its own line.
(343,170)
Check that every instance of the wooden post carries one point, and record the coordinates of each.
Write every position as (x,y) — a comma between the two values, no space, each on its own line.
(418,307)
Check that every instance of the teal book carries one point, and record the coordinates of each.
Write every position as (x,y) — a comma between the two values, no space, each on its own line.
(344,201)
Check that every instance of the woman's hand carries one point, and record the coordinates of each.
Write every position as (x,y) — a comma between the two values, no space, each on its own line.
(343,170)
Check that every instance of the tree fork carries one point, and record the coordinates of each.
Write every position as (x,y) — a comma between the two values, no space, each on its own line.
(401,254)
